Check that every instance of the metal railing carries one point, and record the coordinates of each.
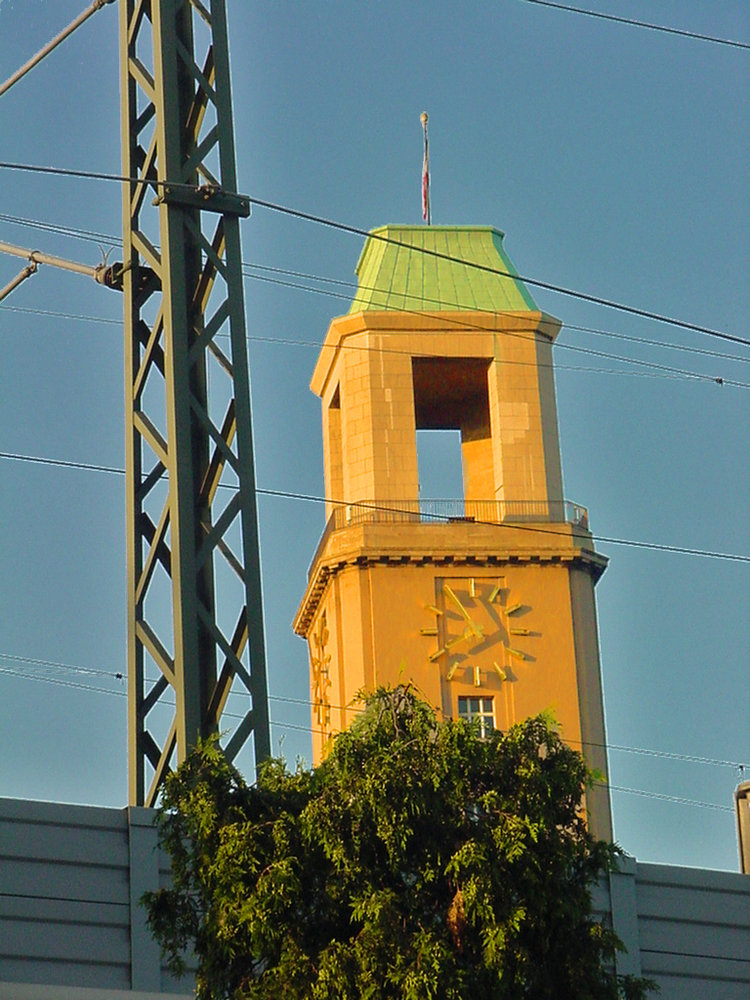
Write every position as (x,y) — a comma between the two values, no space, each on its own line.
(451,511)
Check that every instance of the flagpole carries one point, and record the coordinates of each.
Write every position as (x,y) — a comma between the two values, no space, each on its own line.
(426,213)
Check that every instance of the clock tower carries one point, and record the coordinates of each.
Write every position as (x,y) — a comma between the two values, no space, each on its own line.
(484,602)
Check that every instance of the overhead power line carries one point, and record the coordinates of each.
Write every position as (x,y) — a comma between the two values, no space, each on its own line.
(664,754)
(310,498)
(659,371)
(250,266)
(54,314)
(464,327)
(675,799)
(78,668)
(442,302)
(75,668)
(641,24)
(88,235)
(560,289)
(656,370)
(366,234)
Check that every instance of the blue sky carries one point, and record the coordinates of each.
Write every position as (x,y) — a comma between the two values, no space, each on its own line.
(613,157)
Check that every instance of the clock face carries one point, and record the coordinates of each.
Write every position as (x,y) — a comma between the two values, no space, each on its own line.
(481,635)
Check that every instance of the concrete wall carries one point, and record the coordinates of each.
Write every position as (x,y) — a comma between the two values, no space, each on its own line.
(70,881)
(71,927)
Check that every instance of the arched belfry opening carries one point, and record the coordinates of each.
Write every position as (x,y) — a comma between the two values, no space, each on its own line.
(484,599)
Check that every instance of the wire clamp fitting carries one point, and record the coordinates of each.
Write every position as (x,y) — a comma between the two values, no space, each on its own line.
(206,197)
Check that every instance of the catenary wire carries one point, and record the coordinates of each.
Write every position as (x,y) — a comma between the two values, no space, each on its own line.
(61,315)
(379,237)
(52,227)
(98,238)
(311,498)
(663,797)
(658,370)
(666,372)
(355,286)
(661,371)
(642,24)
(77,668)
(665,754)
(675,799)
(464,326)
(584,296)
(312,345)
(635,791)
(309,729)
(102,468)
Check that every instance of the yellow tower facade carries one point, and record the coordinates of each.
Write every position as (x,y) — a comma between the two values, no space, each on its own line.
(485,602)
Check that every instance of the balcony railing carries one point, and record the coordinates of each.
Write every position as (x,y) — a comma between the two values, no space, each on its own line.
(452,511)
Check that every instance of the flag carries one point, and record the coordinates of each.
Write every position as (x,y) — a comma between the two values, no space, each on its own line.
(425,173)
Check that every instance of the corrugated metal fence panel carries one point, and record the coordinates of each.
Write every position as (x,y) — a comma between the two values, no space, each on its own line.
(71,878)
(694,932)
(64,894)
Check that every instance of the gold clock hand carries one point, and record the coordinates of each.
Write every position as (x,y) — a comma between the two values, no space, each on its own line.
(467,634)
(454,642)
(476,629)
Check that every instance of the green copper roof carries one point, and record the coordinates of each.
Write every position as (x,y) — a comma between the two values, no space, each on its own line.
(394,273)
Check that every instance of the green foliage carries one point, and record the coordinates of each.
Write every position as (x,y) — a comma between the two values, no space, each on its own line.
(418,861)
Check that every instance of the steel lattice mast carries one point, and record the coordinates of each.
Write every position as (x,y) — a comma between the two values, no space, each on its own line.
(195,629)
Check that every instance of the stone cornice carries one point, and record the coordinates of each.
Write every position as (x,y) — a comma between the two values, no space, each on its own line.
(469,545)
(393,321)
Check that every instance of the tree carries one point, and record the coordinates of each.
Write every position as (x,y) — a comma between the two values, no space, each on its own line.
(417,861)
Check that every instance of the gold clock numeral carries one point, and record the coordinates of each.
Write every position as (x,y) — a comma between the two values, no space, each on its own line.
(472,587)
(452,672)
(513,608)
(516,652)
(477,677)
(494,592)
(519,631)
(435,610)
(499,671)
(428,631)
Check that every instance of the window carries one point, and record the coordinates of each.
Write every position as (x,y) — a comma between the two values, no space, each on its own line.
(480,709)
